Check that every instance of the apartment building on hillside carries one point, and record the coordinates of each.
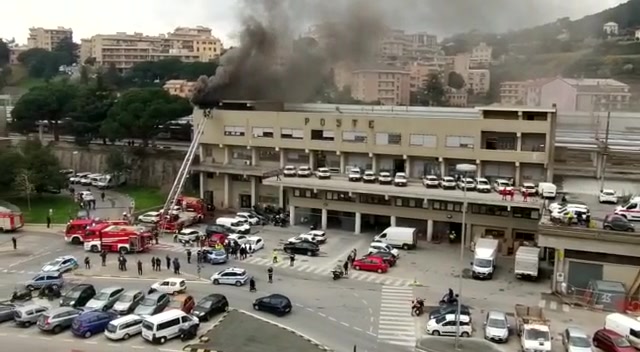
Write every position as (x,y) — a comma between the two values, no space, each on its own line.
(15,51)
(522,92)
(588,94)
(480,56)
(47,39)
(125,50)
(245,144)
(387,84)
(179,87)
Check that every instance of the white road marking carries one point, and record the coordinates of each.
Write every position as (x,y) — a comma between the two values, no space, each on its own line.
(553,305)
(542,303)
(396,325)
(371,333)
(309,309)
(91,342)
(379,280)
(299,305)
(345,324)
(303,268)
(357,328)
(322,315)
(566,308)
(138,347)
(332,318)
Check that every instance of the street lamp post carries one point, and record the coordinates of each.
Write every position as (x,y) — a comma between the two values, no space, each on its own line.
(465,170)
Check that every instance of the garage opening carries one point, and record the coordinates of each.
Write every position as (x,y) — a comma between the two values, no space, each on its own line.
(337,220)
(419,224)
(374,223)
(441,230)
(399,165)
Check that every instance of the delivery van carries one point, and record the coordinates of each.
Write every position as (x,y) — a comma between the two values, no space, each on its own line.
(625,326)
(547,190)
(401,237)
(484,258)
(527,262)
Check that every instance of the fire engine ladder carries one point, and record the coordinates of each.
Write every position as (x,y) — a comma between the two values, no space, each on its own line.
(183,173)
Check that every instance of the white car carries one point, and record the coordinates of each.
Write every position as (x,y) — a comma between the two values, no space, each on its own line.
(151,217)
(448,182)
(467,183)
(304,171)
(446,325)
(530,188)
(61,264)
(608,196)
(323,173)
(375,247)
(355,175)
(483,185)
(562,213)
(384,178)
(400,180)
(189,235)
(230,276)
(430,181)
(256,243)
(289,171)
(77,177)
(553,207)
(501,185)
(171,286)
(242,239)
(369,177)
(248,217)
(86,196)
(316,236)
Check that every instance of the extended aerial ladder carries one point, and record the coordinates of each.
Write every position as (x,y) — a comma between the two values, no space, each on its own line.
(183,172)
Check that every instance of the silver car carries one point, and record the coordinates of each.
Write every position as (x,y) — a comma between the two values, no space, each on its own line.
(128,302)
(6,311)
(58,319)
(576,340)
(105,299)
(28,315)
(496,327)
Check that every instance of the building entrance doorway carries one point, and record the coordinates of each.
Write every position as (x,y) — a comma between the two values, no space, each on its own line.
(245,201)
(399,166)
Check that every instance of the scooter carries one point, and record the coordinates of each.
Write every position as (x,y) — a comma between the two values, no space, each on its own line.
(447,301)
(417,308)
(337,274)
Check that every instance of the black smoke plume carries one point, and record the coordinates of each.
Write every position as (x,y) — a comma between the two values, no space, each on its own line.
(272,62)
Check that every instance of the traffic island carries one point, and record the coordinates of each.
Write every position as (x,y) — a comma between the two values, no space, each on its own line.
(447,344)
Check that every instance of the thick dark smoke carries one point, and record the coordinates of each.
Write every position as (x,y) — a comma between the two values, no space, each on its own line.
(270,63)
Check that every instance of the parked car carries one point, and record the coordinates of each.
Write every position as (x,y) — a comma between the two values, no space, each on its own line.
(400,179)
(61,264)
(323,173)
(28,314)
(90,323)
(128,302)
(483,185)
(501,185)
(371,263)
(385,178)
(447,182)
(218,228)
(275,303)
(383,247)
(468,183)
(154,303)
(216,256)
(172,286)
(78,296)
(151,217)
(48,278)
(188,235)
(445,309)
(369,177)
(254,244)
(58,319)
(303,247)
(496,326)
(182,302)
(614,222)
(529,188)
(355,175)
(609,341)
(608,196)
(447,325)
(304,171)
(124,327)
(105,299)
(315,236)
(430,181)
(576,340)
(242,239)
(211,304)
(7,311)
(249,218)
(289,171)
(387,257)
(230,276)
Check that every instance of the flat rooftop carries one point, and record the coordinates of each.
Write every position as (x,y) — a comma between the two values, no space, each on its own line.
(588,240)
(413,190)
(239,331)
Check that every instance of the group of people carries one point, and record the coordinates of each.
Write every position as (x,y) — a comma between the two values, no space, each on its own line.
(156,263)
(347,263)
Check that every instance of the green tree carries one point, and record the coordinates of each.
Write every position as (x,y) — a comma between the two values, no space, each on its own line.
(41,63)
(5,53)
(24,184)
(67,50)
(5,73)
(91,61)
(50,102)
(140,113)
(432,93)
(42,165)
(8,175)
(89,110)
(84,75)
(111,77)
(456,81)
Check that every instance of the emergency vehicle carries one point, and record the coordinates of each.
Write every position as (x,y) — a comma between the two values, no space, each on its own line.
(75,230)
(187,211)
(192,204)
(118,238)
(10,220)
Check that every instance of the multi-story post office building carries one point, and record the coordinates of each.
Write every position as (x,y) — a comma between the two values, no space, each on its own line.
(245,144)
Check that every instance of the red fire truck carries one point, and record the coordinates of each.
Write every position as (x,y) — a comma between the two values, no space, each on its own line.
(76,229)
(117,238)
(186,212)
(10,220)
(192,204)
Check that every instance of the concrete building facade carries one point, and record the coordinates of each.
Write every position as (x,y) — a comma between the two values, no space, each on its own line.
(47,39)
(245,144)
(179,87)
(587,94)
(610,28)
(387,84)
(480,56)
(14,53)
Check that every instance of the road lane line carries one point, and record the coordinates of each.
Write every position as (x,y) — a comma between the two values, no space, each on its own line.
(137,347)
(322,315)
(357,328)
(299,305)
(67,340)
(22,335)
(332,318)
(302,268)
(345,324)
(309,309)
(371,333)
(91,342)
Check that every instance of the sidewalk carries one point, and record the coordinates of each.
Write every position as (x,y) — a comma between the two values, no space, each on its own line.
(111,270)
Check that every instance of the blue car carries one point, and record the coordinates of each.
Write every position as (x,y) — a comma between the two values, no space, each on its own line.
(216,256)
(89,323)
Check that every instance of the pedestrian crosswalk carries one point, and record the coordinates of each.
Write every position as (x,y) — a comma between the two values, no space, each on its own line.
(396,326)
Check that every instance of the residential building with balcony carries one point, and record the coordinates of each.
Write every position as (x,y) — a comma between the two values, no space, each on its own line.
(480,56)
(15,51)
(387,84)
(47,39)
(245,144)
(513,92)
(457,97)
(179,87)
(479,81)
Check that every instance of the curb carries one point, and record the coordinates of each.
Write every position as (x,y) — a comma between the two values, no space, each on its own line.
(204,339)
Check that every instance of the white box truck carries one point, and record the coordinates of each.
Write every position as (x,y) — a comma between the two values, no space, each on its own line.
(527,262)
(484,258)
(401,237)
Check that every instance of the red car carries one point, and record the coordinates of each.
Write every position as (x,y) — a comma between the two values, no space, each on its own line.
(217,238)
(371,263)
(610,341)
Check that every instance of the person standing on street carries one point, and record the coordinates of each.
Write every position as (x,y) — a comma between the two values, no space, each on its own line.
(124,263)
(15,243)
(292,259)
(103,256)
(139,267)
(120,263)
(275,256)
(345,266)
(158,264)
(87,262)
(270,273)
(48,221)
(168,262)
(153,263)
(188,256)
(102,196)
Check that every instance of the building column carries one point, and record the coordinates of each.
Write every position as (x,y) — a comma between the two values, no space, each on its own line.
(227,191)
(323,223)
(358,223)
(478,168)
(554,278)
(281,196)
(254,190)
(342,163)
(227,155)
(429,230)
(312,159)
(374,163)
(292,215)
(516,180)
(201,185)
(254,156)
(407,165)
(519,142)
(442,168)
(393,220)
(282,158)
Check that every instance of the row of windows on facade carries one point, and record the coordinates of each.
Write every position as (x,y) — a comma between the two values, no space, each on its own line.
(381,138)
(480,209)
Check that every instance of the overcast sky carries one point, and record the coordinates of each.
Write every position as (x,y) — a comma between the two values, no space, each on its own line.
(442,17)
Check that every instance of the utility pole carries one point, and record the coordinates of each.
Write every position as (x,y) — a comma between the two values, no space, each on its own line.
(605,150)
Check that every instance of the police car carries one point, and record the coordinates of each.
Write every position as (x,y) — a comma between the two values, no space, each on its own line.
(230,276)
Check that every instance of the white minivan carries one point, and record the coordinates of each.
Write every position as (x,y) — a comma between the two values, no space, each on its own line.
(236,224)
(625,326)
(167,325)
(123,328)
(401,237)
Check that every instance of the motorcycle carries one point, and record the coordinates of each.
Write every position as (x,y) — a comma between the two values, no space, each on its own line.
(449,301)
(417,307)
(337,274)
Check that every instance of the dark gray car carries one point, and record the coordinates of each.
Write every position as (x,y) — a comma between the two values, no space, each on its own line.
(57,319)
(152,304)
(614,222)
(6,312)
(128,302)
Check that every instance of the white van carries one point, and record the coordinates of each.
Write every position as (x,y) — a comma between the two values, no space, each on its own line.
(625,326)
(630,209)
(547,190)
(484,258)
(236,224)
(166,325)
(123,328)
(402,237)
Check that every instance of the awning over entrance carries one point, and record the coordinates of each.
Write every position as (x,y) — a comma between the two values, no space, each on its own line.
(244,170)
